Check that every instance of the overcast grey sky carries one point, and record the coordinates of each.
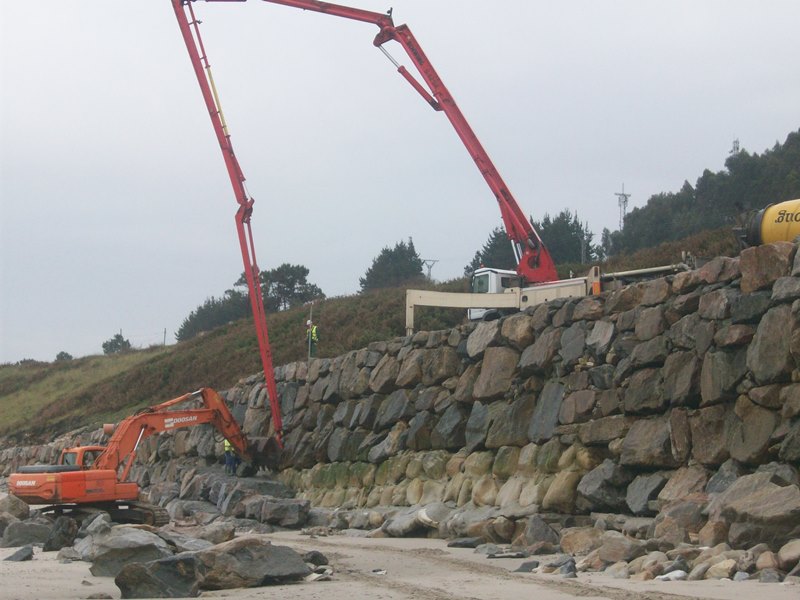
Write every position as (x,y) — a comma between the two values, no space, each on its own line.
(116,212)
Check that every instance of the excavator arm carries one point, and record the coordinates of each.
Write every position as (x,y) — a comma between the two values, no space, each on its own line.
(534,263)
(128,435)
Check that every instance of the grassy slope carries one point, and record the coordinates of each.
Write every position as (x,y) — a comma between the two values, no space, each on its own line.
(44,399)
(27,388)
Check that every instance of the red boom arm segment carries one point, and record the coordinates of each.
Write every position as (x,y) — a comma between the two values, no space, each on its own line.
(190,31)
(535,265)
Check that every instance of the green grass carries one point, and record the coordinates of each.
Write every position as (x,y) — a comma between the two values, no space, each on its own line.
(28,388)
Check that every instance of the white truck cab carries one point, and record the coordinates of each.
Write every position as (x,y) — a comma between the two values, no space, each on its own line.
(491,281)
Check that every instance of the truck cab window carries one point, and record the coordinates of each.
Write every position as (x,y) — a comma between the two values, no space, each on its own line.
(480,284)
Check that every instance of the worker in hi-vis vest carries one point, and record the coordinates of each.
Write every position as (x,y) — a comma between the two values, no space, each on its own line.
(313,338)
(231,458)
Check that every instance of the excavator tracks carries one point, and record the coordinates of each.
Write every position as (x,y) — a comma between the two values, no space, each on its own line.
(139,513)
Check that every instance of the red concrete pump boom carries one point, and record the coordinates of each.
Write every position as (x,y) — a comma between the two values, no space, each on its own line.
(190,31)
(534,263)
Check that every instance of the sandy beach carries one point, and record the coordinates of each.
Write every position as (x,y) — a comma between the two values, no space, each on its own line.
(389,569)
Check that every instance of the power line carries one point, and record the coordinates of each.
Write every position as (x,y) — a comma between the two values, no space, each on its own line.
(429,262)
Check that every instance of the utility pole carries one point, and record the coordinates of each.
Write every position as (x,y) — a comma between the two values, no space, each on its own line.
(584,242)
(623,205)
(429,262)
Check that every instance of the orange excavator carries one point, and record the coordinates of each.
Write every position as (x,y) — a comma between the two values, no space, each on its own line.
(97,477)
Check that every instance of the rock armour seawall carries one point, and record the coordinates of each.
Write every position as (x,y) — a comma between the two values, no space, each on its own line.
(676,399)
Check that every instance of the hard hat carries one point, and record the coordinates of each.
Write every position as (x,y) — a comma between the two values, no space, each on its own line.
(308,322)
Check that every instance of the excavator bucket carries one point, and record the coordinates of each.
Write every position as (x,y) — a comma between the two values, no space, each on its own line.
(264,452)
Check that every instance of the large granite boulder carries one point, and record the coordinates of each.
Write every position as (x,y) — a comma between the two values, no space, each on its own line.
(383,376)
(439,364)
(110,551)
(14,506)
(538,357)
(510,422)
(63,534)
(31,531)
(720,374)
(486,334)
(517,330)
(762,265)
(604,487)
(498,368)
(245,562)
(648,444)
(642,490)
(759,509)
(545,415)
(768,355)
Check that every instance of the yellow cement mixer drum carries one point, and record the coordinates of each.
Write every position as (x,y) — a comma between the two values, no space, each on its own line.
(775,223)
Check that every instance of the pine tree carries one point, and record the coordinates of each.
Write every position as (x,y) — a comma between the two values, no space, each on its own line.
(496,252)
(393,267)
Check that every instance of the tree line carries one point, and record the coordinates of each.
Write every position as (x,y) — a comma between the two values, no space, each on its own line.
(748,182)
(287,286)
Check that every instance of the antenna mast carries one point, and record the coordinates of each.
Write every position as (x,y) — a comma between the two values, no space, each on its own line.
(623,205)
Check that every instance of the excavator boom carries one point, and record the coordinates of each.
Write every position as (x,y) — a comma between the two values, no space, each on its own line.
(124,443)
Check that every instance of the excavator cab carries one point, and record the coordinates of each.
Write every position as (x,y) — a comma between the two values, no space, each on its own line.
(80,456)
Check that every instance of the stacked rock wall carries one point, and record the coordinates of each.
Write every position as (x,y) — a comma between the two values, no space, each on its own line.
(662,391)
(675,400)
